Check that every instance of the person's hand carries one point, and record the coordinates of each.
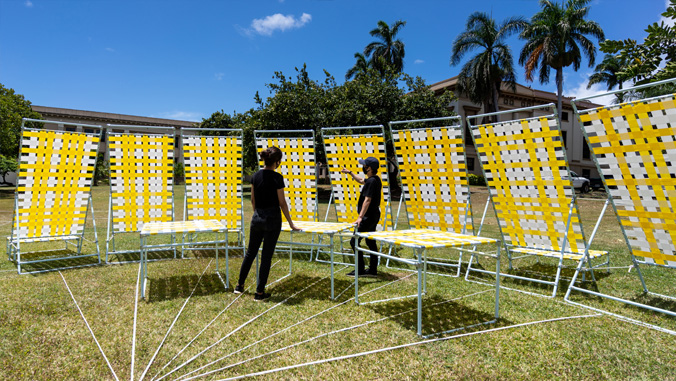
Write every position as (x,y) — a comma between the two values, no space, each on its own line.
(358,222)
(345,170)
(294,227)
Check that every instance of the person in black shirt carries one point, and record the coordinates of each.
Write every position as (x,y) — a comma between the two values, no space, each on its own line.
(267,199)
(368,207)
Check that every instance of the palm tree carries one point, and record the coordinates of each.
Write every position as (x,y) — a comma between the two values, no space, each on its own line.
(390,49)
(556,38)
(482,76)
(608,72)
(360,67)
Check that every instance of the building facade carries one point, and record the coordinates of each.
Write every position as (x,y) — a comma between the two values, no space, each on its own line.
(577,150)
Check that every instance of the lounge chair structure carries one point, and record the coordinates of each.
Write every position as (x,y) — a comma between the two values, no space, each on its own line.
(141,182)
(433,170)
(53,194)
(344,146)
(634,147)
(434,180)
(526,170)
(300,175)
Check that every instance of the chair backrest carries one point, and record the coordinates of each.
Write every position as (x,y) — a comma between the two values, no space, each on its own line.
(298,168)
(433,172)
(213,176)
(141,178)
(56,171)
(525,166)
(343,151)
(634,147)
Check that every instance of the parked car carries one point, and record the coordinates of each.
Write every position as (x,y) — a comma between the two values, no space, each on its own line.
(580,183)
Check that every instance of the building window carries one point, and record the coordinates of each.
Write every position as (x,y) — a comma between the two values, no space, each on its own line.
(585,149)
(470,164)
(564,136)
(89,131)
(71,128)
(586,173)
(564,116)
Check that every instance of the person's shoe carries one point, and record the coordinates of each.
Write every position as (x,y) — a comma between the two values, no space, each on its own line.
(361,273)
(258,297)
(370,273)
(239,289)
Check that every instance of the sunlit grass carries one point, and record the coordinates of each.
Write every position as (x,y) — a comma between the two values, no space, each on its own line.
(42,335)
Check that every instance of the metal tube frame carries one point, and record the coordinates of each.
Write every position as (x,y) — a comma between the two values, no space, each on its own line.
(573,204)
(110,238)
(635,260)
(421,269)
(14,243)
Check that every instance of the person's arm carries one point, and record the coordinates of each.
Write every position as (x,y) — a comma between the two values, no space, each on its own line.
(364,208)
(285,208)
(253,198)
(355,177)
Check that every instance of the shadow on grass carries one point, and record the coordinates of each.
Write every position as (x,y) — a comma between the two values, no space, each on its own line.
(654,301)
(438,315)
(135,256)
(540,271)
(57,260)
(181,286)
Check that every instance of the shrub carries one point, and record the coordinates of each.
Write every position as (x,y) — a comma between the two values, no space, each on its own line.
(476,180)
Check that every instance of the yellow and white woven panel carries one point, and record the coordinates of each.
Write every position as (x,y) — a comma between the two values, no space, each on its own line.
(426,238)
(54,183)
(213,176)
(141,178)
(434,177)
(344,151)
(635,147)
(298,169)
(557,254)
(171,227)
(524,163)
(318,227)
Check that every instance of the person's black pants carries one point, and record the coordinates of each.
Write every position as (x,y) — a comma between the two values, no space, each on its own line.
(267,235)
(368,224)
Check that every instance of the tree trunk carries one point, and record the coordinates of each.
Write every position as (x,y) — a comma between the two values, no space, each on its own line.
(495,100)
(559,91)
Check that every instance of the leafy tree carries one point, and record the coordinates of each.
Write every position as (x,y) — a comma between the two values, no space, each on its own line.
(179,173)
(102,169)
(7,164)
(360,67)
(557,38)
(653,60)
(482,76)
(221,120)
(389,48)
(13,107)
(608,73)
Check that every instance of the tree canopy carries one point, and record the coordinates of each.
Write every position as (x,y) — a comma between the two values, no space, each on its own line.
(13,107)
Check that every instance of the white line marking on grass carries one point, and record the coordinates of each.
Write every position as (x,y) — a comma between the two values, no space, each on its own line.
(328,334)
(203,329)
(239,328)
(285,329)
(88,327)
(404,346)
(133,339)
(174,322)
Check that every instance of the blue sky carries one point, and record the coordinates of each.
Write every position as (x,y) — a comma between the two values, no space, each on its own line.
(188,59)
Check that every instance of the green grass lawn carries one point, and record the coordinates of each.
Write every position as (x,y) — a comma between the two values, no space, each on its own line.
(43,336)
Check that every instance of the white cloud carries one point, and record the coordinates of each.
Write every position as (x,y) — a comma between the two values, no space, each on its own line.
(278,21)
(28,4)
(219,76)
(418,62)
(181,115)
(110,50)
(580,91)
(666,20)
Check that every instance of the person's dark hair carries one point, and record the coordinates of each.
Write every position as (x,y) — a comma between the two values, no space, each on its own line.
(271,155)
